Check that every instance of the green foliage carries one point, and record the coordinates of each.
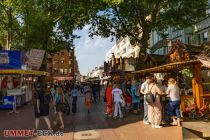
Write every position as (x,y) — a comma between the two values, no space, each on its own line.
(137,18)
(47,24)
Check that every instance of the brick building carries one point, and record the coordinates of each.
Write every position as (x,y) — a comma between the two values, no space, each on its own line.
(63,65)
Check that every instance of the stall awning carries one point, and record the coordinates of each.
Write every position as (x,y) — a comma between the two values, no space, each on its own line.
(24,72)
(168,67)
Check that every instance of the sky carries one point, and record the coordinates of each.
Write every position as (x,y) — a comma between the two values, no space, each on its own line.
(90,53)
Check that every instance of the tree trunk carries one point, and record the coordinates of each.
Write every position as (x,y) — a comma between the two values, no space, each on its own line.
(9,30)
(143,50)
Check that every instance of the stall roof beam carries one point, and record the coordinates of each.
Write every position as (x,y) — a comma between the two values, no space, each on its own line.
(168,67)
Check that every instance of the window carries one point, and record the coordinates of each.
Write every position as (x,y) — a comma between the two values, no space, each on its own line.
(69,70)
(65,71)
(62,61)
(69,62)
(62,53)
(205,36)
(61,71)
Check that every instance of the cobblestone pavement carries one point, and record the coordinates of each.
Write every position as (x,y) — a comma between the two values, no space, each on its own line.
(128,128)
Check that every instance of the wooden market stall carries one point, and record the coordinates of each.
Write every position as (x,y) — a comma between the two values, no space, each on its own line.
(181,56)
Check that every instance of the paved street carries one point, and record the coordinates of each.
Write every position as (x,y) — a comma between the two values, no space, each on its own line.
(129,128)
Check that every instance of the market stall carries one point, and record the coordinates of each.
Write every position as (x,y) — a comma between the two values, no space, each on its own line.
(17,86)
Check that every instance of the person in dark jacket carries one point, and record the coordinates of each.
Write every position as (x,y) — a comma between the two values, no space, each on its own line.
(41,107)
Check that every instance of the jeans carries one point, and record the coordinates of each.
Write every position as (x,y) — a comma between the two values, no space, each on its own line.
(117,109)
(145,110)
(174,108)
(74,104)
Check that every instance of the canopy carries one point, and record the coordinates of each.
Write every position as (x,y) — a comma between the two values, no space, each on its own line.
(168,67)
(24,72)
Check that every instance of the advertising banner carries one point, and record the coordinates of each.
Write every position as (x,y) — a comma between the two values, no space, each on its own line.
(34,59)
(10,59)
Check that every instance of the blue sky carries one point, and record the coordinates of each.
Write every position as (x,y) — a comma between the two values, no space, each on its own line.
(90,52)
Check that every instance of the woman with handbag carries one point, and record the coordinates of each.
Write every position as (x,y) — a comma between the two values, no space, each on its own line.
(59,100)
(109,100)
(154,105)
(135,96)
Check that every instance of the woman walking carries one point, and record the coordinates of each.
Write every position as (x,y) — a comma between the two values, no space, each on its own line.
(59,100)
(174,104)
(41,107)
(154,108)
(109,100)
(88,96)
(135,97)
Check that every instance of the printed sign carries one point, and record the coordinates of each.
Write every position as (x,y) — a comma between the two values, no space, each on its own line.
(4,58)
(10,59)
(34,59)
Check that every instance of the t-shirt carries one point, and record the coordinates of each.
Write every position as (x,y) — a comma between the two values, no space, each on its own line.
(74,92)
(173,91)
(145,87)
(117,94)
(57,98)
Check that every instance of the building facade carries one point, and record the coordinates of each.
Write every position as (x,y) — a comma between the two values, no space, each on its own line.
(63,65)
(97,72)
(124,49)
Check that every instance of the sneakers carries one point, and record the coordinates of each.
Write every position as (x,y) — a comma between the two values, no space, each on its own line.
(153,126)
(158,126)
(146,122)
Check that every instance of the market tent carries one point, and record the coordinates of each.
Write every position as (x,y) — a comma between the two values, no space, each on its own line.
(168,67)
(24,72)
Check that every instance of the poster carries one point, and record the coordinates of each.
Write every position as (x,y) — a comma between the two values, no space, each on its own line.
(34,59)
(10,59)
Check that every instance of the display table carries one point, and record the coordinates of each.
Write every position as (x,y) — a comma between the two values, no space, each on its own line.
(19,98)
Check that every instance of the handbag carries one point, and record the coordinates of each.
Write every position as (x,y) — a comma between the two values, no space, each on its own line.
(150,98)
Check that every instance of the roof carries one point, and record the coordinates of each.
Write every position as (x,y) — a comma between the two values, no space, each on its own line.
(155,57)
(191,49)
(168,67)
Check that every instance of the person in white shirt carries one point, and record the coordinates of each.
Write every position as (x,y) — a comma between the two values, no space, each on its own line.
(144,90)
(118,101)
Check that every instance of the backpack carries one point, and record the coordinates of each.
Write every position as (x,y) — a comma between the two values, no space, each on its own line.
(150,98)
(46,99)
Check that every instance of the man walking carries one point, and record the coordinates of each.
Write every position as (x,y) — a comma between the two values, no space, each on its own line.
(145,90)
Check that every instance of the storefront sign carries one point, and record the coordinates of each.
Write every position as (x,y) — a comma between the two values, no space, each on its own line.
(34,59)
(10,59)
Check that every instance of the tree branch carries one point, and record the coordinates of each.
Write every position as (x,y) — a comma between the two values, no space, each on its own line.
(124,26)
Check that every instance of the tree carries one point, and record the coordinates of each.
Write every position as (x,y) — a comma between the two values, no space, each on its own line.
(138,18)
(47,24)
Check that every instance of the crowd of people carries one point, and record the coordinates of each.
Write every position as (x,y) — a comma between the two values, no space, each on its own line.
(128,96)
(146,95)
